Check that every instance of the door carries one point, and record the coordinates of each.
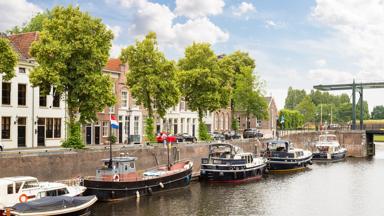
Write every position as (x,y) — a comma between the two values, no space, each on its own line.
(175,129)
(41,135)
(21,130)
(193,130)
(88,135)
(120,132)
(97,135)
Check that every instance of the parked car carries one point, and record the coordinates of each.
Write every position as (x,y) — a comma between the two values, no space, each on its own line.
(185,138)
(252,133)
(217,136)
(170,137)
(231,135)
(1,147)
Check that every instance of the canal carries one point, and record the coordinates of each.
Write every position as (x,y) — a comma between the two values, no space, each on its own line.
(353,187)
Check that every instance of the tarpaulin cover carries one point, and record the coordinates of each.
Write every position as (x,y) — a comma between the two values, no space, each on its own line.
(51,203)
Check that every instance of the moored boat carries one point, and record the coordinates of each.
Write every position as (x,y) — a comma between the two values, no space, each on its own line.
(328,149)
(22,189)
(229,164)
(283,157)
(59,205)
(118,179)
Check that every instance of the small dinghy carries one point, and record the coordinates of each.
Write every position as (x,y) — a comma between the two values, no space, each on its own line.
(59,205)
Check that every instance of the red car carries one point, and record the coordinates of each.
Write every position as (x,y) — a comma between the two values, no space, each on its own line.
(170,138)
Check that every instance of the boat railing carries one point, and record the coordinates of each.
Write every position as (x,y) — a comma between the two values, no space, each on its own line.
(72,182)
(222,161)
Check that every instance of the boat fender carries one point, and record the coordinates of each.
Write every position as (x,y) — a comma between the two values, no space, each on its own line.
(161,185)
(150,191)
(137,194)
(23,198)
(116,177)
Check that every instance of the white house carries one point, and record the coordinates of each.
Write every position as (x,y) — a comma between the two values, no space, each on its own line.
(29,119)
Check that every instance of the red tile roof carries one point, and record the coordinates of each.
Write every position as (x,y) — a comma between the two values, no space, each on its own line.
(22,42)
(113,64)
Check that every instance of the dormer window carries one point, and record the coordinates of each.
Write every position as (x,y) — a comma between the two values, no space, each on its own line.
(22,70)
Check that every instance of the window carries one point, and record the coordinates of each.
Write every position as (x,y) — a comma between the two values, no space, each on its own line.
(6,127)
(182,125)
(42,100)
(30,184)
(22,90)
(124,99)
(6,93)
(56,98)
(49,128)
(182,106)
(57,127)
(105,129)
(22,70)
(126,125)
(10,189)
(62,191)
(18,186)
(136,125)
(112,109)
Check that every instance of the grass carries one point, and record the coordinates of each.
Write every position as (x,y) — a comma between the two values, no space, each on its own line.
(378,138)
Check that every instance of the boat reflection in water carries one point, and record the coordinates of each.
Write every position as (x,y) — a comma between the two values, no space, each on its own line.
(283,157)
(228,163)
(118,179)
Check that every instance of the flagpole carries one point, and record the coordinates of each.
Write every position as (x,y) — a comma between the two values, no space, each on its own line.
(110,142)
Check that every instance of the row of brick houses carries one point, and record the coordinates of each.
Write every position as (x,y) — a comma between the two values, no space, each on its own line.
(29,119)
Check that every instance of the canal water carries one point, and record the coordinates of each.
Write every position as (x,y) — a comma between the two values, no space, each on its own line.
(353,187)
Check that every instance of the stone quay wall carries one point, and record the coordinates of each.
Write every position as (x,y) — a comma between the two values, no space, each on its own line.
(52,166)
(353,141)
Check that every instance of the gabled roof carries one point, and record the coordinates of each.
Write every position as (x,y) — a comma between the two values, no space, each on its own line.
(114,64)
(22,42)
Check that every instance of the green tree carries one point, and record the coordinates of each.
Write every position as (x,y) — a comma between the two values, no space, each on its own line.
(307,108)
(151,79)
(378,112)
(248,98)
(8,59)
(293,119)
(344,113)
(71,51)
(365,110)
(294,97)
(236,66)
(203,85)
(35,24)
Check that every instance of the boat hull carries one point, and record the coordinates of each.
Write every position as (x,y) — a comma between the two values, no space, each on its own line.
(284,164)
(113,190)
(325,157)
(232,175)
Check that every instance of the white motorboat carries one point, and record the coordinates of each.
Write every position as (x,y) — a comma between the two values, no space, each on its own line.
(328,149)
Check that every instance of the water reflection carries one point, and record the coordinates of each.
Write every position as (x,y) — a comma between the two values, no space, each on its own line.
(353,187)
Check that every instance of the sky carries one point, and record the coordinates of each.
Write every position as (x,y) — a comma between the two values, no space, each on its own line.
(298,43)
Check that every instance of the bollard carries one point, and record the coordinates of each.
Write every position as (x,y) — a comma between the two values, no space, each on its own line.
(8,212)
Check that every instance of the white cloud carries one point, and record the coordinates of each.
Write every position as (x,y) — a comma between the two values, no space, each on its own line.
(244,8)
(199,8)
(115,30)
(270,24)
(16,12)
(321,62)
(148,16)
(329,76)
(116,50)
(359,24)
(199,30)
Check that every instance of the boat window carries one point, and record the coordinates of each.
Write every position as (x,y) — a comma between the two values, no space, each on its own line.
(62,191)
(18,186)
(30,184)
(10,189)
(51,193)
(132,165)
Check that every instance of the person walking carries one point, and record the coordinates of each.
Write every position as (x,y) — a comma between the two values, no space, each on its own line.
(164,138)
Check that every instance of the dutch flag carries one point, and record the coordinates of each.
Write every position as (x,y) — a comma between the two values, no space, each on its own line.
(114,123)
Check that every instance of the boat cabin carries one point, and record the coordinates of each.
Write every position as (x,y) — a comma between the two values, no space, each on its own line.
(328,138)
(122,167)
(224,153)
(282,149)
(17,189)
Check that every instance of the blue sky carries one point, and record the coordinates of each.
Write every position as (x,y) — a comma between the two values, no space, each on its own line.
(297,43)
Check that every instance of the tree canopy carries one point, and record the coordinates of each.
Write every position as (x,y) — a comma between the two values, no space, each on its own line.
(293,98)
(72,50)
(8,59)
(293,119)
(151,78)
(203,85)
(378,112)
(307,108)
